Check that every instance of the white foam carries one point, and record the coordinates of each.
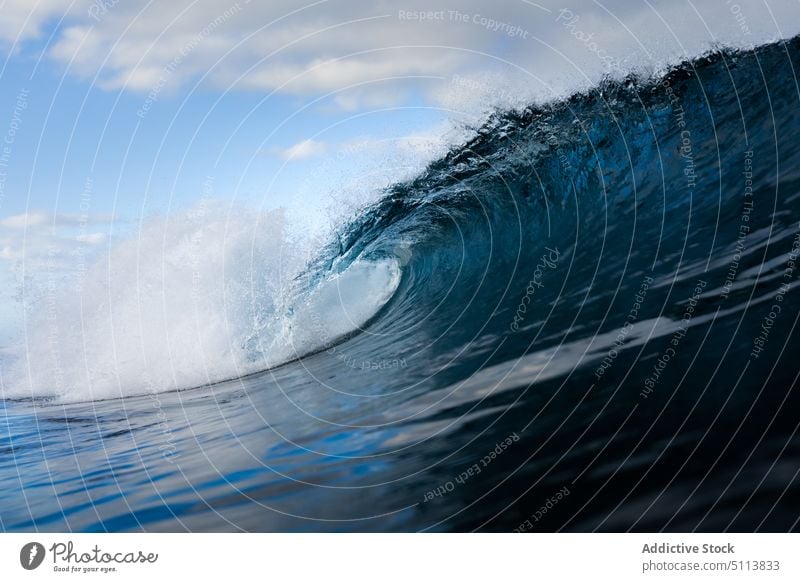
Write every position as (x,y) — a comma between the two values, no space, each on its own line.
(341,304)
(175,306)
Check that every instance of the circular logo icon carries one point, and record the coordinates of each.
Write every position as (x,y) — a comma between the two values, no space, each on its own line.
(31,555)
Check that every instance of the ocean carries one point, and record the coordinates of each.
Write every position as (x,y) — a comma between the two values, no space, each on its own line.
(581,319)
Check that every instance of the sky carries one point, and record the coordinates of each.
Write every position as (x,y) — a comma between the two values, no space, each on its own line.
(113,111)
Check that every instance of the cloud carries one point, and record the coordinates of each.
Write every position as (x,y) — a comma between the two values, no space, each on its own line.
(21,221)
(357,50)
(40,249)
(94,238)
(47,250)
(51,242)
(24,20)
(305,149)
(45,219)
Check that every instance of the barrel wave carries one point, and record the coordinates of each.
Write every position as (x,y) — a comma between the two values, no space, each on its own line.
(581,319)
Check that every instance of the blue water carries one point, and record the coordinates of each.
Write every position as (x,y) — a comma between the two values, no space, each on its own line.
(594,330)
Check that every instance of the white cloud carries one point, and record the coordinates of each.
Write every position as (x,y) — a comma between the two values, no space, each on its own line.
(358,50)
(19,221)
(42,250)
(36,219)
(373,54)
(304,149)
(39,249)
(53,242)
(8,253)
(24,20)
(94,238)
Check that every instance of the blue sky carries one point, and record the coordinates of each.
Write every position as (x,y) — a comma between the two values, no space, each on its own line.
(111,111)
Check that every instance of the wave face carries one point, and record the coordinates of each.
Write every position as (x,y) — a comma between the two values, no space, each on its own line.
(603,289)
